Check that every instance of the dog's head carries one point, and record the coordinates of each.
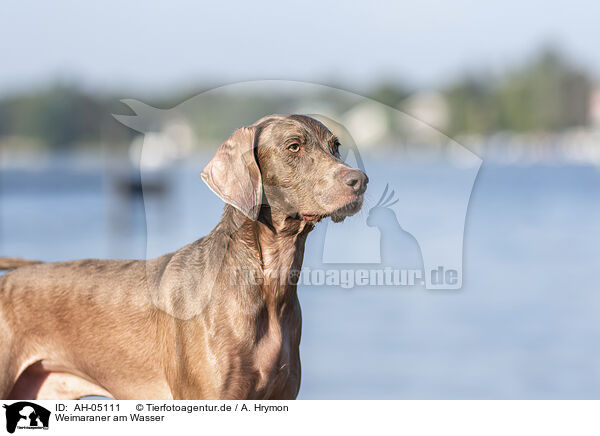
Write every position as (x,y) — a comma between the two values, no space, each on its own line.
(290,164)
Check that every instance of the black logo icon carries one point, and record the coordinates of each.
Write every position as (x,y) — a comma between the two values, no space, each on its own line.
(24,414)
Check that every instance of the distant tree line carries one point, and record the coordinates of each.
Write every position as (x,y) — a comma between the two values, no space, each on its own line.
(545,94)
(61,117)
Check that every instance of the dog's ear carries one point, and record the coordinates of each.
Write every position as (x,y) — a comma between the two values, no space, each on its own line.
(233,173)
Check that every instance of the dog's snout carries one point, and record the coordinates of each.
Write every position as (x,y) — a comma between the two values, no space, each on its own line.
(356,180)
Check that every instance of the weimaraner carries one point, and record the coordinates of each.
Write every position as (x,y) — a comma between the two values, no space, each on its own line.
(216,319)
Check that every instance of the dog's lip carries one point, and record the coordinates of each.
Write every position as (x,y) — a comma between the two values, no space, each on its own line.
(346,209)
(350,206)
(312,217)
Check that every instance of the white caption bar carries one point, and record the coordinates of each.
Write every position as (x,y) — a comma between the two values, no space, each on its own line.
(305,418)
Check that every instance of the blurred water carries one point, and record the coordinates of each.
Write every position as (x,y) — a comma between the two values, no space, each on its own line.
(524,325)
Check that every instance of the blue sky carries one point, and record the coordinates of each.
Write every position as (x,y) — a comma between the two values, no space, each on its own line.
(156,47)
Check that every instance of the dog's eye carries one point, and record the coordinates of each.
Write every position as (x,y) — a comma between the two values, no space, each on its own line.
(336,146)
(294,148)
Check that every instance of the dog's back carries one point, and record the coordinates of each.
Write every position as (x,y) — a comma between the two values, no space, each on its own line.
(94,308)
(15,262)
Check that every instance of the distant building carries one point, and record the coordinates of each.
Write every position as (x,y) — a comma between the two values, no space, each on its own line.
(594,109)
(368,122)
(428,107)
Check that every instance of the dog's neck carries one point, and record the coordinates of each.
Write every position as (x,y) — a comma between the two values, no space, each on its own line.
(278,242)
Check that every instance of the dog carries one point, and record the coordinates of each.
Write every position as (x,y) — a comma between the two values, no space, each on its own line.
(216,319)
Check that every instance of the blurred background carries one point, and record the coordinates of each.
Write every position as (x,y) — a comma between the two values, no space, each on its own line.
(516,83)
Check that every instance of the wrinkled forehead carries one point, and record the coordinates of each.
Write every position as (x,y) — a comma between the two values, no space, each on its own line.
(276,130)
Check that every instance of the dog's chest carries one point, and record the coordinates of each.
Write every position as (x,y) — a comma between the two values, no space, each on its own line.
(275,361)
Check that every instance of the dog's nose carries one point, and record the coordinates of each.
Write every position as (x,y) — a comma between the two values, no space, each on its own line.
(357,180)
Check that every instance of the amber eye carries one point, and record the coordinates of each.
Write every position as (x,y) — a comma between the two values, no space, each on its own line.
(294,148)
